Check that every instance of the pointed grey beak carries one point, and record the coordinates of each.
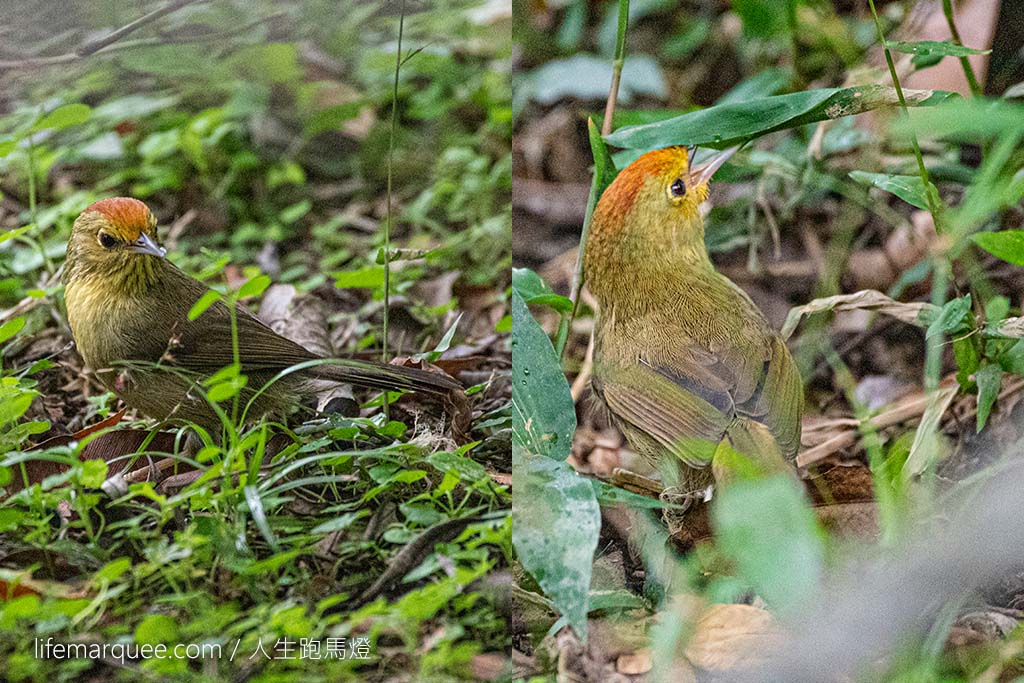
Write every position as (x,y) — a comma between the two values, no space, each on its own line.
(702,174)
(146,245)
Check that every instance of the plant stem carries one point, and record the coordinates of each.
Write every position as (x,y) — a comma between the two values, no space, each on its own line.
(965,62)
(387,222)
(33,212)
(941,269)
(617,62)
(922,169)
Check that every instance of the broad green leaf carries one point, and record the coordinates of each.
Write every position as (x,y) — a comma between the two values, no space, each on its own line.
(224,374)
(555,526)
(11,328)
(768,529)
(62,117)
(369,277)
(928,48)
(1005,244)
(227,389)
(204,302)
(534,290)
(543,413)
(990,381)
(727,124)
(254,287)
(909,188)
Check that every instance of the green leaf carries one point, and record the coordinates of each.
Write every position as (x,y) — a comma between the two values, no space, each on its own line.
(909,188)
(369,277)
(1005,244)
(227,389)
(338,523)
(292,213)
(442,346)
(11,328)
(112,570)
(725,125)
(967,360)
(62,117)
(555,526)
(543,413)
(534,290)
(762,18)
(204,302)
(604,167)
(767,528)
(951,317)
(929,48)
(990,381)
(254,287)
(156,629)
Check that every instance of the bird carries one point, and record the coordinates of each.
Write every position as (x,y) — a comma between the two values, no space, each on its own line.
(685,364)
(128,309)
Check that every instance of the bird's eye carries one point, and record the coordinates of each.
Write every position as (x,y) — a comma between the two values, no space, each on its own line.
(107,241)
(678,188)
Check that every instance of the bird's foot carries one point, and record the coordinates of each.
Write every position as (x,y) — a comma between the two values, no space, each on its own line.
(681,502)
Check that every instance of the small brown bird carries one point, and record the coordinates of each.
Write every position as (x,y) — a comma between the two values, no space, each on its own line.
(128,309)
(687,366)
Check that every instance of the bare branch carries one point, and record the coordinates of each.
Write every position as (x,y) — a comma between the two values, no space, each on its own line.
(94,46)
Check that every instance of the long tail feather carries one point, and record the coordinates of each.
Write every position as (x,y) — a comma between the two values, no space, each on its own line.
(386,377)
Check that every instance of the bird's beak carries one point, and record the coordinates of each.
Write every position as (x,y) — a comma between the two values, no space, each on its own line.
(702,174)
(146,245)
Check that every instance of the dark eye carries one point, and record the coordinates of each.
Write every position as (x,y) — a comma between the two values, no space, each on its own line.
(678,188)
(108,241)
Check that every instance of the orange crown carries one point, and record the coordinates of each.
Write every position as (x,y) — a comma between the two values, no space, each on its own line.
(124,213)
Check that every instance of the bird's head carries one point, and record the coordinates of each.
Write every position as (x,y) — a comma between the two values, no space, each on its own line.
(115,238)
(652,211)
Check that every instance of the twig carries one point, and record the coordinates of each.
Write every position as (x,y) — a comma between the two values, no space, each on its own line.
(92,47)
(109,39)
(413,554)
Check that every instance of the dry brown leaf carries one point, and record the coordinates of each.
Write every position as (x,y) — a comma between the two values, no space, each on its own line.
(729,637)
(638,662)
(868,300)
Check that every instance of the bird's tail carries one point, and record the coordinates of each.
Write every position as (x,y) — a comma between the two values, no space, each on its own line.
(748,450)
(384,376)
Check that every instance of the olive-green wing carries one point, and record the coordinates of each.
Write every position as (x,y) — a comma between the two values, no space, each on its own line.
(204,346)
(690,401)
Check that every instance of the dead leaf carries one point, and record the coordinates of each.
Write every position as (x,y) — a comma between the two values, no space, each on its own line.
(866,300)
(638,662)
(729,637)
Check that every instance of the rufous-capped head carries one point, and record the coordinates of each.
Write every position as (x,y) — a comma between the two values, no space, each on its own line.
(120,224)
(662,179)
(650,213)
